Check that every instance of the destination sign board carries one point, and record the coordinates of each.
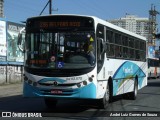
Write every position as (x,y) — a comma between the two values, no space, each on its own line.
(59,23)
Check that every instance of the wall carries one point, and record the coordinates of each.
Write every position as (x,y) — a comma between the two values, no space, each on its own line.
(11,74)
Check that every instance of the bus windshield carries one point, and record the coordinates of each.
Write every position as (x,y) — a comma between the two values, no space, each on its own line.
(60,50)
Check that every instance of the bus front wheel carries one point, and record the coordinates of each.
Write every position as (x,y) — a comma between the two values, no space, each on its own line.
(103,103)
(50,102)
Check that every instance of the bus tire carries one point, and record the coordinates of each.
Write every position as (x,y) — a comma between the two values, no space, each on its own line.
(133,95)
(50,102)
(107,96)
(103,103)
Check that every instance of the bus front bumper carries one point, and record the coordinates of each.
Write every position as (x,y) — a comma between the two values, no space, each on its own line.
(86,92)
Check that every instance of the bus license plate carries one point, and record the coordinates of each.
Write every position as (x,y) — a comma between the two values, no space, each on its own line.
(56,92)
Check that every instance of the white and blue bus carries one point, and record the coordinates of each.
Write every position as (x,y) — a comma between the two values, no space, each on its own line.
(81,57)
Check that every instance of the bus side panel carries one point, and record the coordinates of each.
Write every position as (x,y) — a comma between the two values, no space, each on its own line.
(123,79)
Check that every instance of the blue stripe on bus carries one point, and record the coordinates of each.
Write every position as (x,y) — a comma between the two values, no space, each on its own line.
(88,91)
(126,71)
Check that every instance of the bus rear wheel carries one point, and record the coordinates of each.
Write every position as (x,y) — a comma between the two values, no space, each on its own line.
(133,95)
(50,102)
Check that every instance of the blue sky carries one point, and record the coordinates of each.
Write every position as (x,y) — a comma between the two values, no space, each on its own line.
(20,10)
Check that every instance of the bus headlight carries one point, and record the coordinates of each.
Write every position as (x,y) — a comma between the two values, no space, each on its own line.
(29,81)
(90,79)
(25,78)
(79,85)
(84,82)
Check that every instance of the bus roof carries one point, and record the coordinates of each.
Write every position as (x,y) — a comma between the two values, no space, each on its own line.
(98,20)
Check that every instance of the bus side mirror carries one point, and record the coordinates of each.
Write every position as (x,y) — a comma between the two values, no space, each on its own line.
(20,41)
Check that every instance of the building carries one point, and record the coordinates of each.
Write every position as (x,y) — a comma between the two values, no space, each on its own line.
(134,24)
(1,8)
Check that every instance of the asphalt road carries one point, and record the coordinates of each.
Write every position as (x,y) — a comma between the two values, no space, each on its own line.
(148,101)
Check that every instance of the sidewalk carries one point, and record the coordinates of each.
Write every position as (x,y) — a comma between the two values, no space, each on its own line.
(11,89)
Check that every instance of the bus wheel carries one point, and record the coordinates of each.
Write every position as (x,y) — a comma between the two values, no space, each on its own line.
(133,94)
(50,102)
(103,103)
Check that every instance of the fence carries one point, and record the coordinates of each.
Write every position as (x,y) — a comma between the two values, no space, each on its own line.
(11,73)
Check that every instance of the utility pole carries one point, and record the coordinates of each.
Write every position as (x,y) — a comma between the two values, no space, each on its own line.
(50,7)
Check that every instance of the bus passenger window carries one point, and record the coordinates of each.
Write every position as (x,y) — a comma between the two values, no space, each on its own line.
(118,39)
(131,42)
(125,52)
(118,51)
(131,54)
(124,41)
(137,43)
(110,50)
(109,36)
(137,54)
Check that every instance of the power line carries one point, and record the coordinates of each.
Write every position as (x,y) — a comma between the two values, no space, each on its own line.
(50,7)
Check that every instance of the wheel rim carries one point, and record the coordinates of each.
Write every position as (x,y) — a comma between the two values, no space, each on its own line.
(135,91)
(107,95)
